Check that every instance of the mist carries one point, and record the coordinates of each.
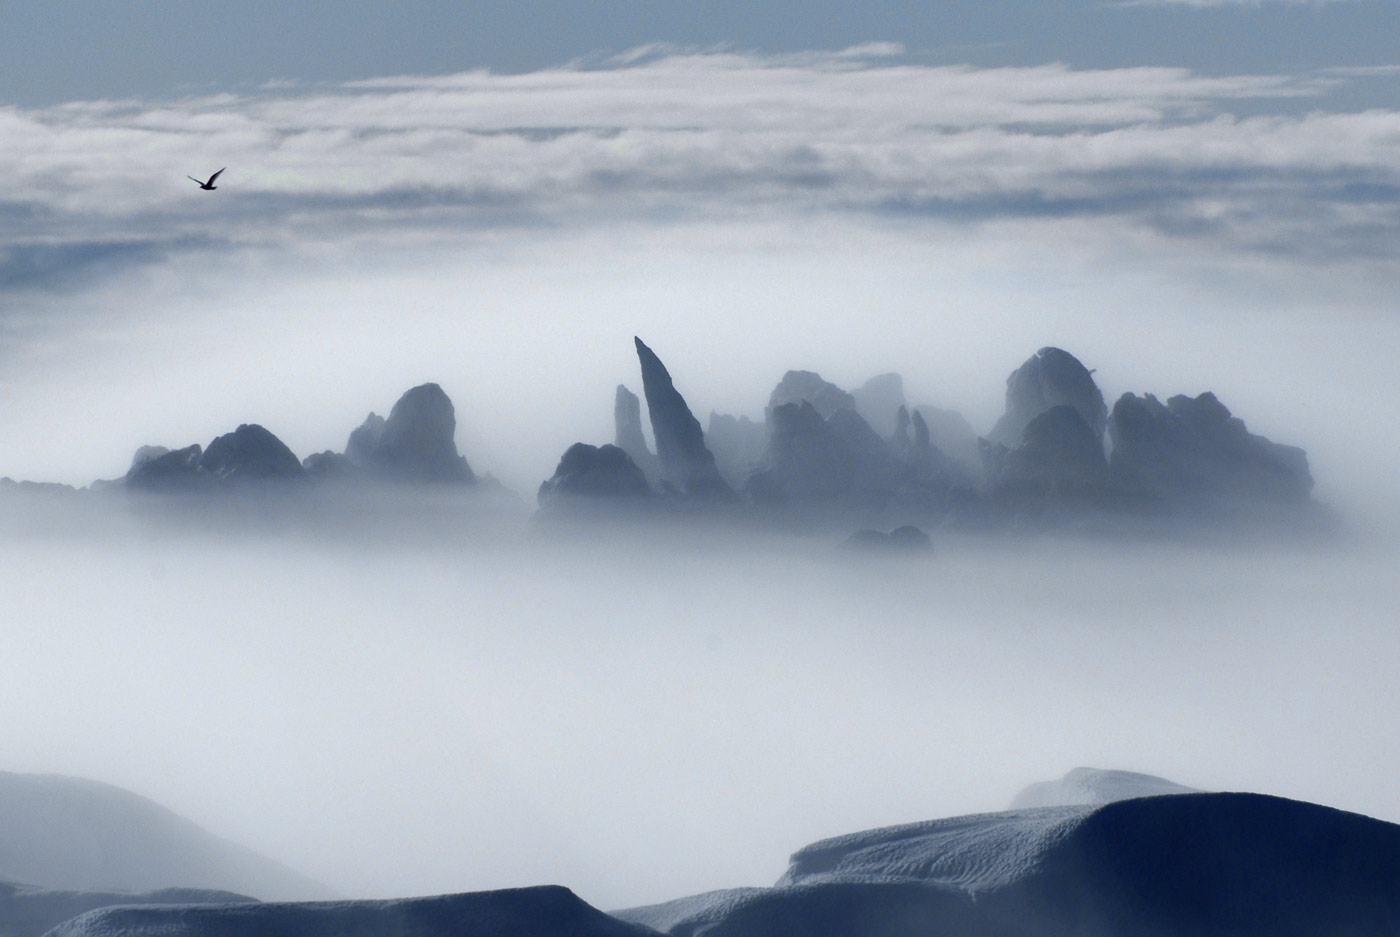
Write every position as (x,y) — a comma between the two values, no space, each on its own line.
(398,706)
(530,334)
(400,699)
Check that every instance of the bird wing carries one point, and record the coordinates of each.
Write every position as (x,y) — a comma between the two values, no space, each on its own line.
(193,179)
(215,176)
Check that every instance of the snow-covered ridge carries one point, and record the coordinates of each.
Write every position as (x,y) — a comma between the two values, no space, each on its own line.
(1195,864)
(544,911)
(972,853)
(28,911)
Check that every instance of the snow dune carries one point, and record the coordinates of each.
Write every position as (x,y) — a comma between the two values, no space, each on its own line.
(1205,865)
(972,853)
(27,911)
(833,909)
(544,911)
(1167,864)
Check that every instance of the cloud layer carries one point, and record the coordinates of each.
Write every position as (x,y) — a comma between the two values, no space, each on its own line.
(1231,159)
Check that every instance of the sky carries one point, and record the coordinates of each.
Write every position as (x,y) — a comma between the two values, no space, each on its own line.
(1188,196)
(68,51)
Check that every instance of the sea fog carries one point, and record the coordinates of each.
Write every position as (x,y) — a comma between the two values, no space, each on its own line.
(423,697)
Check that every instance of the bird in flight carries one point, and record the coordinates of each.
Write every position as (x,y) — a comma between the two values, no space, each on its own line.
(207,186)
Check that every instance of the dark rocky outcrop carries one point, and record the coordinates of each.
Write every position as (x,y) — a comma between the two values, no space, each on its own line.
(419,438)
(41,489)
(923,460)
(823,463)
(415,444)
(799,386)
(627,433)
(934,494)
(805,460)
(901,444)
(954,437)
(922,440)
(879,400)
(595,472)
(811,462)
(1193,449)
(877,470)
(906,539)
(825,457)
(930,484)
(330,466)
(1056,448)
(250,453)
(1056,477)
(738,443)
(992,456)
(147,453)
(680,444)
(363,445)
(1051,377)
(176,470)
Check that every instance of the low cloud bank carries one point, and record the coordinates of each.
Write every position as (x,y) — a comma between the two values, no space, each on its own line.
(714,134)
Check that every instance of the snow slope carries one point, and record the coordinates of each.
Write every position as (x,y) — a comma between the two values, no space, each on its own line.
(545,911)
(27,911)
(70,833)
(1165,865)
(1203,865)
(833,909)
(973,853)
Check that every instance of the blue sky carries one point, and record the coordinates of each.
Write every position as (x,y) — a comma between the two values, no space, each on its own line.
(747,185)
(63,51)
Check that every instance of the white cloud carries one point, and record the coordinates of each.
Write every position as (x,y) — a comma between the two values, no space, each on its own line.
(873,50)
(716,135)
(1365,71)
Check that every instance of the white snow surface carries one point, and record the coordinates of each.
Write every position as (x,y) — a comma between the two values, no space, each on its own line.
(1093,786)
(973,853)
(692,911)
(71,833)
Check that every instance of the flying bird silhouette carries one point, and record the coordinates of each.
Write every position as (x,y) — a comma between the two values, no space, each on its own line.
(207,186)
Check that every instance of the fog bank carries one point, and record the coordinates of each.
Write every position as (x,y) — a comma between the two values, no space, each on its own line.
(645,716)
